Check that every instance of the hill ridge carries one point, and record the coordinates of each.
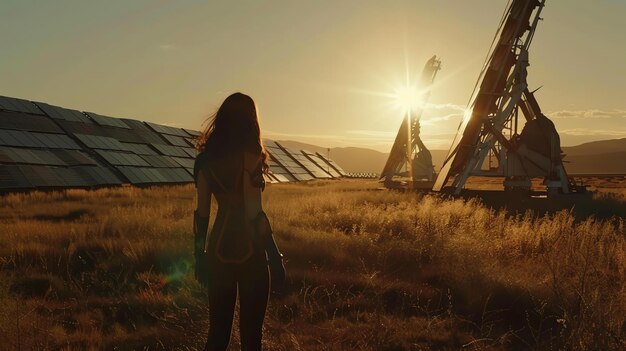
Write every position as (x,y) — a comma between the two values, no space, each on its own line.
(600,156)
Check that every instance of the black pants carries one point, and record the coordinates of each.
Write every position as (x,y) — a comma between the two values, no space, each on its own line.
(251,279)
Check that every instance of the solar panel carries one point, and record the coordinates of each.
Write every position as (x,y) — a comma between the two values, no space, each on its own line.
(191,152)
(269,178)
(73,157)
(100,175)
(139,149)
(8,138)
(133,136)
(142,175)
(62,113)
(137,125)
(111,158)
(131,176)
(270,143)
(72,178)
(56,141)
(180,175)
(311,167)
(107,121)
(12,178)
(74,127)
(30,156)
(176,140)
(157,175)
(332,164)
(283,178)
(171,174)
(154,175)
(4,158)
(167,129)
(184,162)
(48,146)
(170,150)
(18,105)
(321,164)
(78,176)
(41,176)
(24,156)
(122,158)
(160,161)
(21,121)
(280,172)
(100,142)
(43,140)
(151,175)
(36,140)
(121,134)
(281,157)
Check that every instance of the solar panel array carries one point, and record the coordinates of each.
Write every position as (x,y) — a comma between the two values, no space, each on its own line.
(332,164)
(321,163)
(315,170)
(282,157)
(46,146)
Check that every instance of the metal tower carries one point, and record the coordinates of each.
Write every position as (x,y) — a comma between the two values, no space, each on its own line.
(413,155)
(489,141)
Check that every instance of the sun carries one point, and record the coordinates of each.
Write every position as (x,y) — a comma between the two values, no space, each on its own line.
(408,98)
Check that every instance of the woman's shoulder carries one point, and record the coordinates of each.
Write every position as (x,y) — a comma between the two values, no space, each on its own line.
(206,159)
(202,161)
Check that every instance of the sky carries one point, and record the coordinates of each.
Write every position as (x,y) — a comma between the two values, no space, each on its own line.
(320,71)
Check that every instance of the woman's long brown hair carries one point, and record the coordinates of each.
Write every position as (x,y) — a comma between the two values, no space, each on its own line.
(235,126)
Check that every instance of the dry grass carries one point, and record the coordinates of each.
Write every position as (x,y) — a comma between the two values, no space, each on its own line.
(368,270)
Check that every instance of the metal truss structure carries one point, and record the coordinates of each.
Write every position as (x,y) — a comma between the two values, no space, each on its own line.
(489,141)
(413,156)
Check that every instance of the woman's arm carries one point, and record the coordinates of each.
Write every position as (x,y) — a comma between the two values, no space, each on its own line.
(275,262)
(273,254)
(201,227)
(203,209)
(203,195)
(274,257)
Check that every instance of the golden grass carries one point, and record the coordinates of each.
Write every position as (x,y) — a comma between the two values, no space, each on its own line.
(367,270)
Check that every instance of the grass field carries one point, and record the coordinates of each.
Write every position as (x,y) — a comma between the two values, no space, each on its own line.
(367,270)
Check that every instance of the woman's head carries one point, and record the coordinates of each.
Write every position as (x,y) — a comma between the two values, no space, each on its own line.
(235,126)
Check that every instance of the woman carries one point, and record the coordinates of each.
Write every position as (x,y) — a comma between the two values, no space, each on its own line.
(234,256)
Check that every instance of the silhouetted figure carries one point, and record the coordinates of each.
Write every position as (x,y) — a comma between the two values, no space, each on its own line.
(234,257)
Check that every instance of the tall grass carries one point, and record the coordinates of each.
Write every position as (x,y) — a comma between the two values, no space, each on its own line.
(367,270)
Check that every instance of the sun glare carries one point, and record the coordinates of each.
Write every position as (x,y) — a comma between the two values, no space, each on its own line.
(408,98)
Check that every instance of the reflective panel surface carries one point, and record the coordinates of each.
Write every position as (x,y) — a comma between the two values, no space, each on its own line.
(47,146)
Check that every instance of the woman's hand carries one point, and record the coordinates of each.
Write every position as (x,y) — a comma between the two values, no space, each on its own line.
(275,262)
(277,272)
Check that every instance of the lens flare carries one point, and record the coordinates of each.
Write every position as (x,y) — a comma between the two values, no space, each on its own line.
(408,98)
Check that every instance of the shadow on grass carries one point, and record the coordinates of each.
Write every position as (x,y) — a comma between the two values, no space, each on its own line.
(70,216)
(581,206)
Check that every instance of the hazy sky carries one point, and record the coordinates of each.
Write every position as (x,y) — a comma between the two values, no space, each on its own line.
(316,68)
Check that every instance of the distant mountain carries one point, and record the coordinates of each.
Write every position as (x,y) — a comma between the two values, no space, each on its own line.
(291,144)
(357,159)
(597,147)
(604,156)
(605,163)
